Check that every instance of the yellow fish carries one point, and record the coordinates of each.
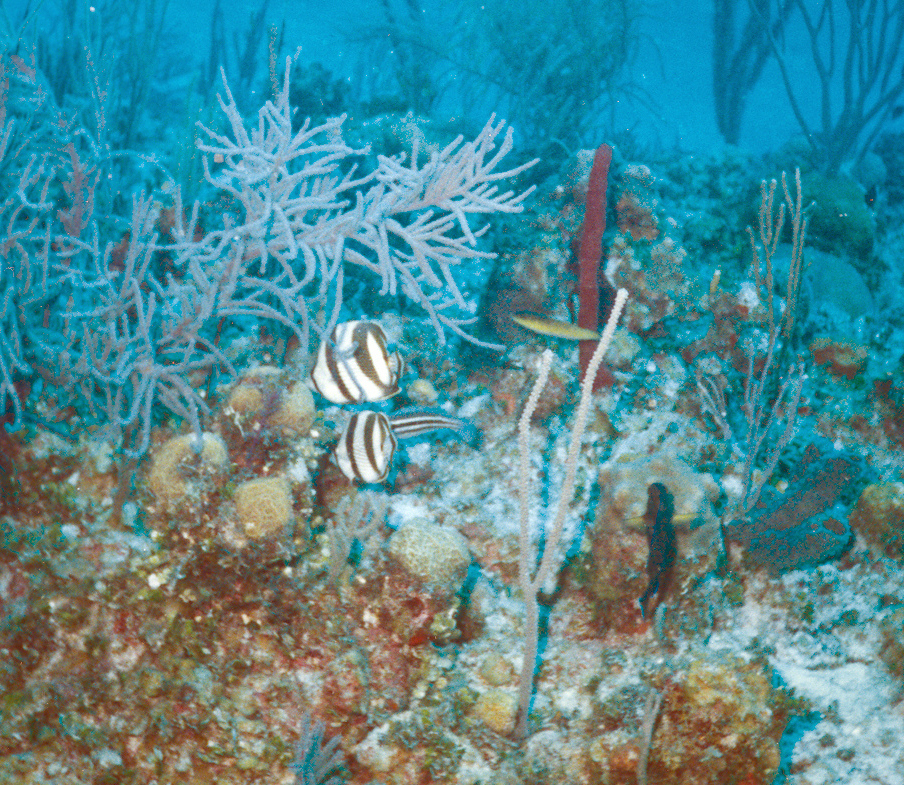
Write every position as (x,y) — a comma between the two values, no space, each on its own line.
(555,328)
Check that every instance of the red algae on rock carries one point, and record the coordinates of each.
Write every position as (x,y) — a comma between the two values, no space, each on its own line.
(720,722)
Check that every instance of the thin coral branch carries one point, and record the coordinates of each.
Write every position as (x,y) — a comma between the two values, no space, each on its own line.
(534,578)
(772,391)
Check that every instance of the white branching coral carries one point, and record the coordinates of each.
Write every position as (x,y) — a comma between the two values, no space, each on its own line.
(127,325)
(307,212)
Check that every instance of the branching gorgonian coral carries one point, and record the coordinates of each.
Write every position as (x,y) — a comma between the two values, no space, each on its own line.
(124,322)
(306,213)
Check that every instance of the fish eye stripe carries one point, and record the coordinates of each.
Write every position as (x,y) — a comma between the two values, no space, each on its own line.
(335,373)
(387,444)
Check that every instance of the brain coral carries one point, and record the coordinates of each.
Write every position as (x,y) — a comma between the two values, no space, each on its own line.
(434,554)
(176,465)
(496,709)
(264,506)
(263,394)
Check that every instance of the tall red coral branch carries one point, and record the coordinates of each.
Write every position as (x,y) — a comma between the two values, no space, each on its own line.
(591,249)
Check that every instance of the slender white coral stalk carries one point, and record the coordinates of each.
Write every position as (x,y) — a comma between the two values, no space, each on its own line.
(533,581)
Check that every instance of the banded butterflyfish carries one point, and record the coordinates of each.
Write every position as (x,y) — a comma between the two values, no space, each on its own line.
(354,365)
(366,447)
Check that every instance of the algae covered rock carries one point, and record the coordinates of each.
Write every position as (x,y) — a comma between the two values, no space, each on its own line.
(832,281)
(496,708)
(840,219)
(412,746)
(497,670)
(720,723)
(806,524)
(879,517)
(553,757)
(264,398)
(617,570)
(891,651)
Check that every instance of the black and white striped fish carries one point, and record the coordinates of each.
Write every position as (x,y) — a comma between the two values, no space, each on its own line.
(416,420)
(354,365)
(366,447)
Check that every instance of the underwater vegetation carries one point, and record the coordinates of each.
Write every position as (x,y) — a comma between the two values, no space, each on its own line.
(556,87)
(685,568)
(855,44)
(143,316)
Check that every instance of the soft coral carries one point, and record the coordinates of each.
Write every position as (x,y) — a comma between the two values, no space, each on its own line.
(589,283)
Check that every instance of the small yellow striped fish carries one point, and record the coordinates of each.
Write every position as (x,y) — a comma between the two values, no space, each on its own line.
(354,366)
(554,328)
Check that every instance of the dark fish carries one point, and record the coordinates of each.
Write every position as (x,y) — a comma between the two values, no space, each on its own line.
(365,449)
(661,542)
(354,366)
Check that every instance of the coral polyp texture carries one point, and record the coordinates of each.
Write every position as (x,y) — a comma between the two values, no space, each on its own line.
(182,463)
(264,506)
(436,555)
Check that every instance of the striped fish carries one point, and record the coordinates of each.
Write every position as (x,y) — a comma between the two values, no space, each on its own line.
(354,366)
(365,449)
(414,421)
